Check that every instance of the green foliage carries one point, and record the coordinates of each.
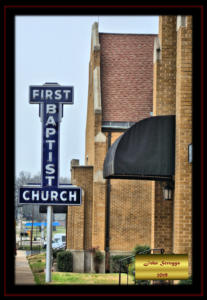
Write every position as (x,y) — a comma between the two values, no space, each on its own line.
(142,282)
(131,268)
(55,253)
(98,257)
(140,248)
(27,247)
(137,250)
(65,261)
(115,265)
(185,281)
(39,278)
(38,267)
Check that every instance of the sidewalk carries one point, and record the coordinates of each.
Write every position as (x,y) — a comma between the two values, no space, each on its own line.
(23,273)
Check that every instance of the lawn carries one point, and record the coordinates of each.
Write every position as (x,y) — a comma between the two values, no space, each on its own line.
(37,264)
(89,278)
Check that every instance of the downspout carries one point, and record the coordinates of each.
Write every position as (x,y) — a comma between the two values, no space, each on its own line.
(107,241)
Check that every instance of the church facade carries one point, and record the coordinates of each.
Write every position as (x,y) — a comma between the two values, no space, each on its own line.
(131,78)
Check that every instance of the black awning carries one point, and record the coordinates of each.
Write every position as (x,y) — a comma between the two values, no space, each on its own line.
(144,151)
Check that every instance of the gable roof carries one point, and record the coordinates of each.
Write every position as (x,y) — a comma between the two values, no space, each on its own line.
(126,76)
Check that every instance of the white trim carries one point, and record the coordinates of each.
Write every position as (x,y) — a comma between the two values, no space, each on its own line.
(157,50)
(97,90)
(95,37)
(100,138)
(98,177)
(181,22)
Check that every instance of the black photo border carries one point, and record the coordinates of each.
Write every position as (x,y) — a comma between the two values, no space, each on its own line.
(8,12)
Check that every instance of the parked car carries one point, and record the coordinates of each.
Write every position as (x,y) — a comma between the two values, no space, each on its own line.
(60,238)
(59,241)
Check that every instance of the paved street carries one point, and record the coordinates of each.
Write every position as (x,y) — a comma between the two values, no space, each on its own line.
(23,274)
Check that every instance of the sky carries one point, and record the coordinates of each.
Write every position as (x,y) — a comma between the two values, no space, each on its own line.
(57,49)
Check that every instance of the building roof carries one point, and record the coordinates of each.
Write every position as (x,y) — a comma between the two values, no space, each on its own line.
(126,76)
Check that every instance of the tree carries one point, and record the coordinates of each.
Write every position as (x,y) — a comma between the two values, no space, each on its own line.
(23,178)
(26,178)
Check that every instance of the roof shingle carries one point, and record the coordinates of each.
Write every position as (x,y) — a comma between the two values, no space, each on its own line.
(126,76)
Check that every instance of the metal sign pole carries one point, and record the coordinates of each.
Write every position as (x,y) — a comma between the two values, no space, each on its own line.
(49,244)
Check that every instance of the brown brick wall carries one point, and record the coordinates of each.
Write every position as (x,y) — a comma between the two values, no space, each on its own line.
(164,98)
(163,222)
(183,175)
(79,218)
(130,214)
(164,92)
(139,214)
(98,231)
(126,76)
(99,196)
(172,94)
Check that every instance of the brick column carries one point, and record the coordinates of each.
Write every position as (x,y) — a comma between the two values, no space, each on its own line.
(79,234)
(164,87)
(183,175)
(99,186)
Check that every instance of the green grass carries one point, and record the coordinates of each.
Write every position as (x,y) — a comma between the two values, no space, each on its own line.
(27,247)
(39,278)
(37,265)
(59,229)
(89,278)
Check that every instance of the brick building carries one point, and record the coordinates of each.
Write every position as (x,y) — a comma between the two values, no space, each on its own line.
(117,98)
(116,214)
(172,95)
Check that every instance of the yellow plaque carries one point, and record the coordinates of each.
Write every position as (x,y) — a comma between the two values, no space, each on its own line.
(161,266)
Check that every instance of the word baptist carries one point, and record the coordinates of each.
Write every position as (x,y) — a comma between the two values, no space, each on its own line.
(51,139)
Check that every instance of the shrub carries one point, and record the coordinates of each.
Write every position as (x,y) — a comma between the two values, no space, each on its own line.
(138,249)
(27,247)
(55,253)
(186,281)
(37,267)
(65,261)
(115,265)
(98,257)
